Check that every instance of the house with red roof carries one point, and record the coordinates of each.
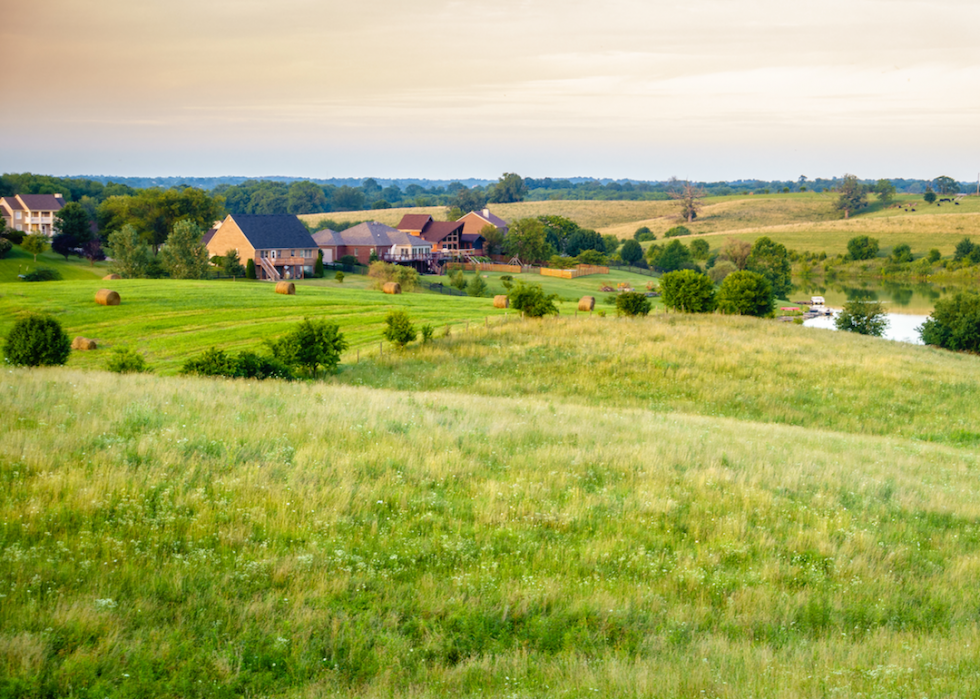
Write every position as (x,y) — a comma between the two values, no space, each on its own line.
(476,221)
(31,213)
(445,236)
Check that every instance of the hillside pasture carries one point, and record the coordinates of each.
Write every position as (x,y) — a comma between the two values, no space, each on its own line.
(18,262)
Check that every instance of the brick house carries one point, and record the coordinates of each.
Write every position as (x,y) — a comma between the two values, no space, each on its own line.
(445,236)
(278,244)
(31,213)
(360,241)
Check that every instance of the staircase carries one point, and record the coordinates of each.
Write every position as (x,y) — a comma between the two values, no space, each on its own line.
(270,269)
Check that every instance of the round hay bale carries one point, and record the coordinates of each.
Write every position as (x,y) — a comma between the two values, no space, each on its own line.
(84,343)
(501,301)
(107,297)
(287,288)
(392,288)
(586,303)
(112,276)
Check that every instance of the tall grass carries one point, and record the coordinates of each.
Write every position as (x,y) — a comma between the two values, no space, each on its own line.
(161,536)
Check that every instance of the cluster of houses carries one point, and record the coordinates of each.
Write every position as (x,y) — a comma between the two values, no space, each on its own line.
(282,248)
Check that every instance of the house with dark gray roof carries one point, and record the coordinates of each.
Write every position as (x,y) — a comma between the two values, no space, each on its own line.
(365,239)
(278,244)
(31,213)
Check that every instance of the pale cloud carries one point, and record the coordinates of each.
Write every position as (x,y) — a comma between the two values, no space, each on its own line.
(623,88)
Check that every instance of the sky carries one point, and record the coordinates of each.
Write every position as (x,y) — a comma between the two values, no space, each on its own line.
(644,89)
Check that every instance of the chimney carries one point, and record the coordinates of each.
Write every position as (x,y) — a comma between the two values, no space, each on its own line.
(486,213)
(58,196)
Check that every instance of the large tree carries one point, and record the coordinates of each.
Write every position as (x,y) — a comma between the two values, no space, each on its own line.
(852,197)
(153,212)
(305,197)
(745,294)
(688,195)
(509,188)
(885,191)
(129,252)
(184,255)
(73,220)
(946,185)
(771,260)
(493,239)
(527,240)
(688,291)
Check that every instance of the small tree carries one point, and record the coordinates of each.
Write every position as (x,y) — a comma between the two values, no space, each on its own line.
(771,260)
(130,254)
(231,265)
(457,280)
(399,329)
(250,269)
(125,360)
(318,266)
(677,232)
(493,239)
(885,190)
(477,287)
(934,255)
(720,270)
(671,257)
(35,244)
(737,252)
(531,300)
(852,196)
(929,196)
(864,317)
(6,246)
(37,340)
(688,291)
(184,255)
(643,234)
(507,281)
(954,323)
(902,253)
(632,303)
(631,252)
(63,244)
(93,252)
(73,220)
(700,249)
(862,247)
(963,249)
(746,294)
(611,243)
(689,197)
(339,276)
(591,257)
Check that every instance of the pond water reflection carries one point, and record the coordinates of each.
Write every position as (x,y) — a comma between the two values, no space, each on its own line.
(901,326)
(905,298)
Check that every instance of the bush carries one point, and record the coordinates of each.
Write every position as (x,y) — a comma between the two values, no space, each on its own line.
(348,260)
(15,237)
(247,365)
(862,247)
(507,281)
(382,272)
(37,340)
(632,303)
(124,360)
(677,231)
(427,332)
(477,287)
(398,328)
(213,362)
(531,300)
(929,196)
(955,323)
(902,253)
(559,262)
(5,247)
(964,249)
(643,234)
(670,258)
(250,269)
(310,345)
(457,280)
(42,274)
(688,291)
(746,294)
(339,276)
(700,249)
(591,257)
(318,265)
(934,256)
(863,317)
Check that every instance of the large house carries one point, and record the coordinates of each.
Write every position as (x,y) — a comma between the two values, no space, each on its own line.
(365,239)
(476,221)
(278,244)
(445,236)
(31,213)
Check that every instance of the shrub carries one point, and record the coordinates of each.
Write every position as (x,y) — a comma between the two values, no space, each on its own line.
(250,365)
(934,256)
(339,276)
(427,332)
(5,247)
(688,291)
(15,237)
(677,231)
(124,360)
(559,262)
(382,272)
(632,303)
(771,260)
(457,280)
(42,274)
(929,196)
(643,234)
(398,328)
(37,340)
(955,323)
(671,257)
(963,249)
(591,257)
(745,294)
(902,253)
(862,247)
(212,362)
(531,300)
(318,265)
(231,265)
(863,317)
(477,287)
(349,260)
(507,281)
(250,269)
(310,345)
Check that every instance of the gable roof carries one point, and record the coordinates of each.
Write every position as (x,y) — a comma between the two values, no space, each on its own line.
(207,236)
(12,203)
(41,202)
(490,218)
(439,230)
(269,231)
(414,222)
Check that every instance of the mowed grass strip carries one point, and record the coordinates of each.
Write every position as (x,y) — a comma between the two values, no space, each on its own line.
(164,536)
(745,368)
(18,262)
(170,320)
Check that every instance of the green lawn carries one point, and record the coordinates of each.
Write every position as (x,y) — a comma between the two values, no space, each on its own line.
(18,262)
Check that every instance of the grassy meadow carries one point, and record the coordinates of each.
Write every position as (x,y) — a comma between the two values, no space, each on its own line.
(17,262)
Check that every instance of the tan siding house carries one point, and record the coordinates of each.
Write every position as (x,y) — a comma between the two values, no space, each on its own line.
(31,213)
(279,245)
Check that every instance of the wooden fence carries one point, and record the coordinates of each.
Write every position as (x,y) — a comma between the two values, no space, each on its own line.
(580,271)
(484,267)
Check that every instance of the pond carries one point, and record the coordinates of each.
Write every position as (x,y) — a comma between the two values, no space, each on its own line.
(908,304)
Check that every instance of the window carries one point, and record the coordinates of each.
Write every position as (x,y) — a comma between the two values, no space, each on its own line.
(17,213)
